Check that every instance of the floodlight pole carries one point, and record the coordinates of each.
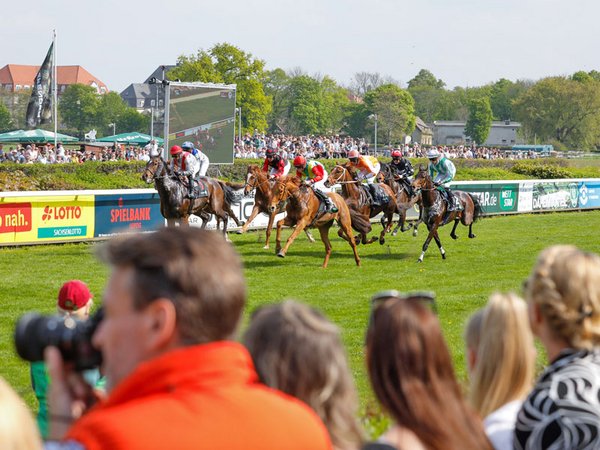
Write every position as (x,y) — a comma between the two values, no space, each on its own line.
(374,116)
(239,111)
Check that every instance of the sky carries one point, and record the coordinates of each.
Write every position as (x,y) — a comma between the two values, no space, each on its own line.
(463,42)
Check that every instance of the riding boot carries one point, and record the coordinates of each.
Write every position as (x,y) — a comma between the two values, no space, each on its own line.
(374,196)
(331,207)
(451,200)
(191,187)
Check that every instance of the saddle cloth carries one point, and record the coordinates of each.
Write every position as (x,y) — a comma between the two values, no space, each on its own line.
(380,196)
(200,188)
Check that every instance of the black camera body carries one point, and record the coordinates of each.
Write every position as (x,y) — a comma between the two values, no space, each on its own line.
(73,337)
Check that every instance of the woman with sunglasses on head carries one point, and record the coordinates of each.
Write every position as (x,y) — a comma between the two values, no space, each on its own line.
(563,409)
(412,375)
(501,363)
(298,351)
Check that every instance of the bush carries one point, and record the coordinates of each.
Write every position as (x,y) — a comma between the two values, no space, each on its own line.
(541,171)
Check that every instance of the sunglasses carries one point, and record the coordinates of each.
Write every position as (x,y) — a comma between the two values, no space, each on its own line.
(428,298)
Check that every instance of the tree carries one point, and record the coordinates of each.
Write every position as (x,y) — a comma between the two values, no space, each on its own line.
(226,63)
(561,110)
(395,109)
(427,79)
(363,82)
(480,120)
(111,108)
(5,119)
(132,120)
(276,85)
(78,107)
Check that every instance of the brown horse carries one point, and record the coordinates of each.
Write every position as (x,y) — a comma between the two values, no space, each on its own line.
(435,210)
(302,210)
(258,181)
(177,208)
(404,200)
(361,210)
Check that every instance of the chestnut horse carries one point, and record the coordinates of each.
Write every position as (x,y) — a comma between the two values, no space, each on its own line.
(258,181)
(435,210)
(357,200)
(177,208)
(302,210)
(403,199)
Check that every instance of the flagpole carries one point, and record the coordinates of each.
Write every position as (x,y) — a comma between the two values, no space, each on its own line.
(54,73)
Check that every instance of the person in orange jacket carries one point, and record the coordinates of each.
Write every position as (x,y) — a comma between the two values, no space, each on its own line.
(175,376)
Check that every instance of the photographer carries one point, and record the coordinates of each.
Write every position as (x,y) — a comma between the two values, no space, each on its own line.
(175,377)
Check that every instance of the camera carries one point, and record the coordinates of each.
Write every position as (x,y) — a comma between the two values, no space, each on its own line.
(73,337)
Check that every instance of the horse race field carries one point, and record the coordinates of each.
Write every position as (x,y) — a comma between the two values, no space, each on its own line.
(498,259)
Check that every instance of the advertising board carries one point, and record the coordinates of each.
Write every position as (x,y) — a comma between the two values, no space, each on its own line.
(127,212)
(495,198)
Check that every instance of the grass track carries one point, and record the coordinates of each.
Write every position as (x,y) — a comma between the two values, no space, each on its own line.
(498,259)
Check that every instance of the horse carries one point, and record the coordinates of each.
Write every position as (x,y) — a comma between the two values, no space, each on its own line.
(361,210)
(404,200)
(177,208)
(436,214)
(258,181)
(303,210)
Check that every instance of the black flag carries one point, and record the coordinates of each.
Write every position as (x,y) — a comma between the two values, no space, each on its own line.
(39,109)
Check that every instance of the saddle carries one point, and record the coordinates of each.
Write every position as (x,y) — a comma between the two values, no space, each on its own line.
(200,188)
(380,196)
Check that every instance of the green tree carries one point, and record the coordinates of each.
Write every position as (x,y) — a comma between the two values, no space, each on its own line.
(480,119)
(355,119)
(561,110)
(132,120)
(226,63)
(502,94)
(305,104)
(5,119)
(395,109)
(427,79)
(111,108)
(276,85)
(78,107)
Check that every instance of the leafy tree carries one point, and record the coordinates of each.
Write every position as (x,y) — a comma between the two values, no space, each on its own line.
(16,103)
(226,63)
(427,79)
(395,109)
(305,104)
(480,119)
(276,85)
(355,119)
(502,95)
(131,120)
(5,119)
(111,108)
(562,110)
(78,107)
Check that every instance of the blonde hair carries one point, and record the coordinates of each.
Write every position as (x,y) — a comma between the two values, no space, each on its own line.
(505,364)
(298,351)
(18,430)
(565,283)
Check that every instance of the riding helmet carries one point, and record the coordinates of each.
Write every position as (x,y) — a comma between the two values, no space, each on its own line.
(396,154)
(187,145)
(433,153)
(299,161)
(176,149)
(270,152)
(353,154)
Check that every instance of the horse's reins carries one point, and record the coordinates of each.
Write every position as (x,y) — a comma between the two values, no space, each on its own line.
(341,175)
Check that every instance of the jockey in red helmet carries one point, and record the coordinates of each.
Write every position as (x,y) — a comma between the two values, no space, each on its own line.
(314,174)
(186,164)
(275,165)
(402,170)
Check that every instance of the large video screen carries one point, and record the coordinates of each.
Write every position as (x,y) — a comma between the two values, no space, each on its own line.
(205,116)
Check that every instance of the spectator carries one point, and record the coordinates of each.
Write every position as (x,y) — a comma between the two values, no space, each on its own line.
(412,376)
(501,370)
(297,350)
(74,299)
(563,409)
(175,378)
(17,427)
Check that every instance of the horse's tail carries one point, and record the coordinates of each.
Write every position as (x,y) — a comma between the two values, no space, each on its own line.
(359,223)
(231,196)
(477,208)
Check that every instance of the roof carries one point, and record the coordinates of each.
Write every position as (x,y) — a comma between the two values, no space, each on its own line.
(456,123)
(422,126)
(158,72)
(19,74)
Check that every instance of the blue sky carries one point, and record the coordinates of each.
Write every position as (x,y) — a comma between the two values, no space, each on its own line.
(463,42)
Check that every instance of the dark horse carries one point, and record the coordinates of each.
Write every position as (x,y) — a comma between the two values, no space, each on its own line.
(360,208)
(302,210)
(258,180)
(404,200)
(435,210)
(177,208)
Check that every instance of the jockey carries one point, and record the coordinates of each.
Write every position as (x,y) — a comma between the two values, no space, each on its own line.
(315,175)
(402,170)
(184,163)
(368,168)
(275,164)
(203,161)
(444,171)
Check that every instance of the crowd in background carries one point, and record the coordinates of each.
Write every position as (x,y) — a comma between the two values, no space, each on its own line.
(253,147)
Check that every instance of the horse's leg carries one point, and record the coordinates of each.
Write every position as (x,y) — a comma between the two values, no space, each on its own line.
(297,230)
(269,230)
(432,231)
(253,214)
(453,232)
(280,224)
(309,235)
(345,232)
(439,244)
(324,232)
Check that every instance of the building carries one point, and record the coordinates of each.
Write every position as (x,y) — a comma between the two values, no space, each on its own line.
(423,133)
(502,134)
(16,77)
(145,96)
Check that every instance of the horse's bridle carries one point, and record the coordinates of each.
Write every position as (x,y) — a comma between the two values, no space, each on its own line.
(256,183)
(344,170)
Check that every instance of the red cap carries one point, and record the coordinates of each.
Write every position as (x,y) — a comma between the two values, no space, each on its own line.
(73,295)
(176,149)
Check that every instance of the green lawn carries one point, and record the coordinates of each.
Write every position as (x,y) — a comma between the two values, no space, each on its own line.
(498,259)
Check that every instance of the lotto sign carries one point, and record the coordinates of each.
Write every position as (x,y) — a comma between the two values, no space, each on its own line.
(46,218)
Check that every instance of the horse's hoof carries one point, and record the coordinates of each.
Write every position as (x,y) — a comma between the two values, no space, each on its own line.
(453,236)
(394,233)
(471,236)
(281,254)
(266,247)
(381,241)
(443,256)
(239,232)
(419,260)
(415,233)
